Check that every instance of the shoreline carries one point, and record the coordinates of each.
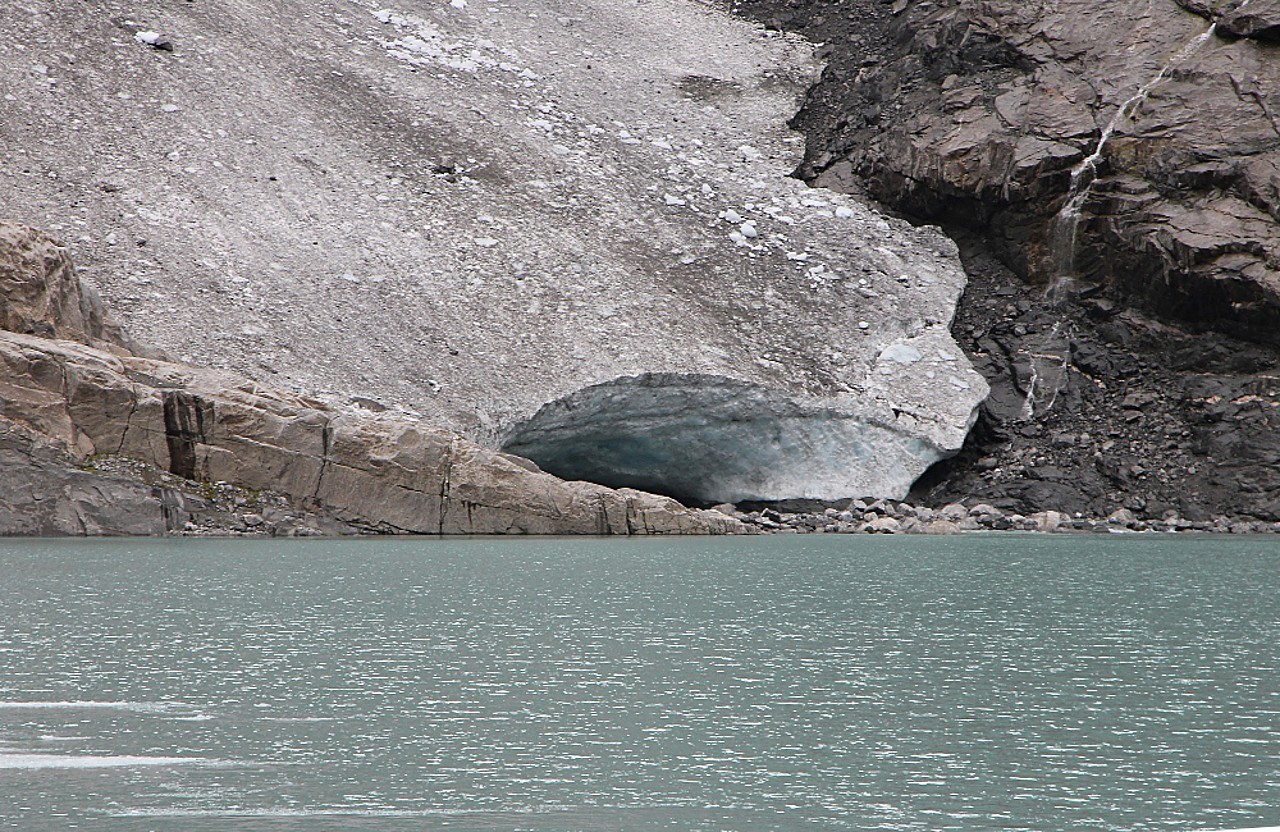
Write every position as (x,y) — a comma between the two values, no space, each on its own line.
(880,516)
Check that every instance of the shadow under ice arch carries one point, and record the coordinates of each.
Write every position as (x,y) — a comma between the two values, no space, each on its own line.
(707,439)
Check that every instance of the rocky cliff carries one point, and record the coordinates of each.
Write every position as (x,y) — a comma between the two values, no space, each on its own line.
(97,440)
(1162,113)
(1111,171)
(487,213)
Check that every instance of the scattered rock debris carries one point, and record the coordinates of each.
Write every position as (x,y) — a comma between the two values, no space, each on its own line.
(155,40)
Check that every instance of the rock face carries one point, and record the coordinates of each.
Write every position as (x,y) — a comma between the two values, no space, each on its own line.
(980,114)
(65,405)
(40,293)
(1117,392)
(475,210)
(45,492)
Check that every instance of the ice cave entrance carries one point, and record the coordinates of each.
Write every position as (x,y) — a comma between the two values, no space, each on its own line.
(707,439)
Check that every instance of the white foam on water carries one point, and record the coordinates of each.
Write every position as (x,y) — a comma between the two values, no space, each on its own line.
(89,704)
(66,704)
(335,812)
(67,761)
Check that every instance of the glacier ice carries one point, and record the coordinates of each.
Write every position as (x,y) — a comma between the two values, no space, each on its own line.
(708,439)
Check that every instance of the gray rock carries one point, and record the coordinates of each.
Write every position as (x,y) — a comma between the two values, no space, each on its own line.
(1048,521)
(45,491)
(940,527)
(1122,517)
(884,525)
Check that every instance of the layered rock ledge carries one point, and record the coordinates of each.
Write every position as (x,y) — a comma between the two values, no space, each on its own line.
(97,440)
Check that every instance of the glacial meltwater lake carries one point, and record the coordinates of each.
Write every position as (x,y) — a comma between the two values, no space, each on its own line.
(966,683)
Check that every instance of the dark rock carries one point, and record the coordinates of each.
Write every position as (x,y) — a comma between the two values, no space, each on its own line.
(1259,20)
(1165,224)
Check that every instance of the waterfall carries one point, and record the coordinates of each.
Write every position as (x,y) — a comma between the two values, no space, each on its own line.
(1065,226)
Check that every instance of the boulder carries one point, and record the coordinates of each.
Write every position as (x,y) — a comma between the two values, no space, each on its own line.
(1122,517)
(884,525)
(1048,521)
(41,294)
(1257,20)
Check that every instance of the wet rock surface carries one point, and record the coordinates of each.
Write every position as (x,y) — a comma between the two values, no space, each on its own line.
(980,114)
(1097,407)
(1149,384)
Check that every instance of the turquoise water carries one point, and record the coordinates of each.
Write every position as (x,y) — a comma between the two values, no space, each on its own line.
(968,683)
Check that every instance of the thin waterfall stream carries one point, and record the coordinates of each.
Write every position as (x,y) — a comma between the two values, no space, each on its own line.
(1066,225)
